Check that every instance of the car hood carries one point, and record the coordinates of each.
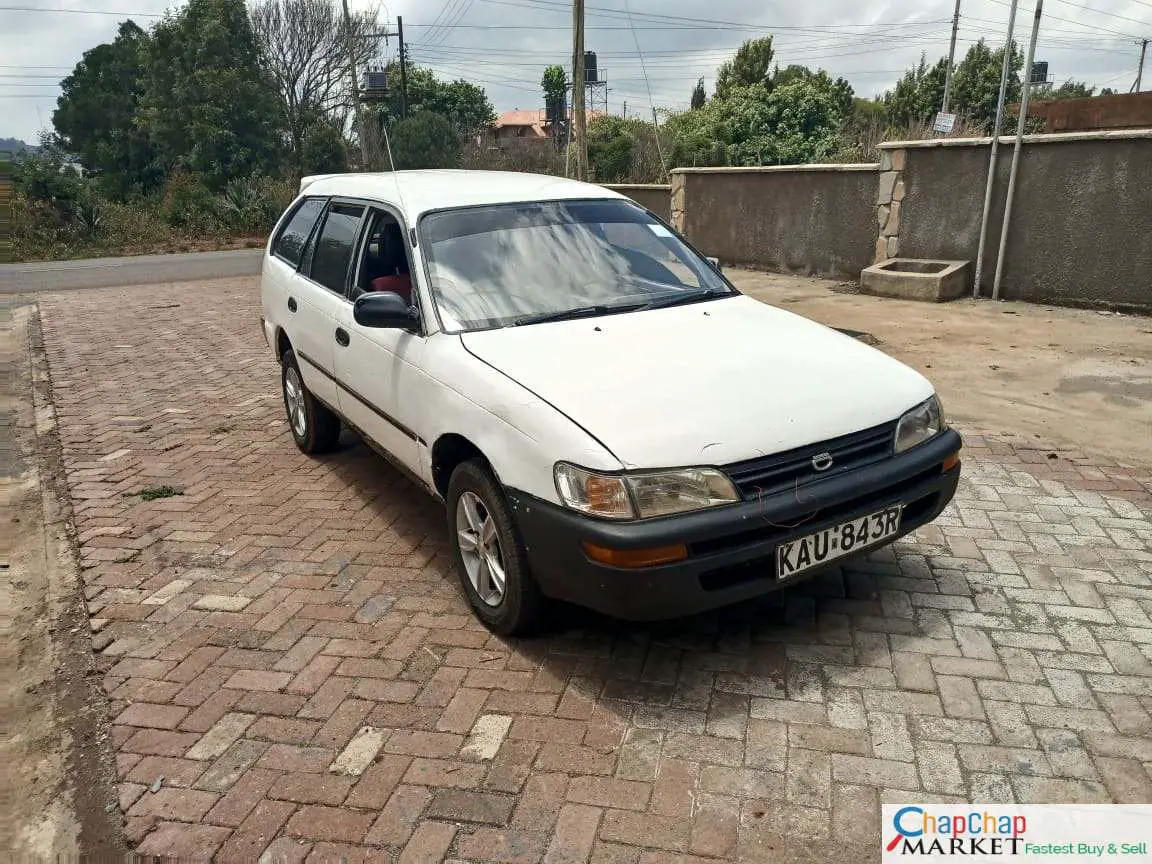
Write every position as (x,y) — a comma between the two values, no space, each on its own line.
(703,384)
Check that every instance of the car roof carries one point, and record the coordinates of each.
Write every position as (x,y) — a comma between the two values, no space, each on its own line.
(417,192)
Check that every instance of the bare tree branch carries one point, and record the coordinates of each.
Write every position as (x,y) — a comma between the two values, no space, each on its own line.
(303,47)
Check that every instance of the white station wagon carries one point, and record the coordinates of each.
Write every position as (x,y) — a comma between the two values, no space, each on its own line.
(609,421)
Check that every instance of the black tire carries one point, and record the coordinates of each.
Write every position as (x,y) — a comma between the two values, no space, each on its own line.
(321,428)
(521,608)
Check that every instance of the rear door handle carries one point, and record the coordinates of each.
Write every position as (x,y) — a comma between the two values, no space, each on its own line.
(342,337)
(291,304)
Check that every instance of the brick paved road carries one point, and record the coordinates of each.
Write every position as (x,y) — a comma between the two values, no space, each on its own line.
(284,643)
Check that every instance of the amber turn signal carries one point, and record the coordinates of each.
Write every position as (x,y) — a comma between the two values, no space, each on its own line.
(950,463)
(635,557)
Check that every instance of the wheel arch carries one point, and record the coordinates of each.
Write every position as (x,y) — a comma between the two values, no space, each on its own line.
(448,451)
(283,343)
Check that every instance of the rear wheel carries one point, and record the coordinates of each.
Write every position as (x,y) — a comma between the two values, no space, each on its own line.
(315,429)
(489,556)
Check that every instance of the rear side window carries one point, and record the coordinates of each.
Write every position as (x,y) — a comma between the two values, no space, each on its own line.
(290,244)
(334,246)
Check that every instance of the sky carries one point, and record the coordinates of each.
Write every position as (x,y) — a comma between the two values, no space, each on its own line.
(650,52)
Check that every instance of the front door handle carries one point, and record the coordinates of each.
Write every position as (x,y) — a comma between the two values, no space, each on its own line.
(342,337)
(291,304)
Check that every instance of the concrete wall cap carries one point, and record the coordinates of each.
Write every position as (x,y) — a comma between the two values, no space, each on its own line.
(1048,138)
(769,169)
(636,185)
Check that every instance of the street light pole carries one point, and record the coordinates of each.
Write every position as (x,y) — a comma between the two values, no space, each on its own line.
(1023,119)
(995,144)
(579,120)
(362,127)
(1140,68)
(951,58)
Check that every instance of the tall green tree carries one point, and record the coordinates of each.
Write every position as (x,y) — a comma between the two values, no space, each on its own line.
(699,96)
(425,140)
(96,113)
(976,82)
(918,94)
(752,64)
(209,105)
(554,83)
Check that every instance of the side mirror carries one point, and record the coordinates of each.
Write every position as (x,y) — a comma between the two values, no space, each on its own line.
(715,262)
(385,309)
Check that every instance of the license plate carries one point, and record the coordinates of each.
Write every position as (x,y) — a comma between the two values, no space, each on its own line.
(827,544)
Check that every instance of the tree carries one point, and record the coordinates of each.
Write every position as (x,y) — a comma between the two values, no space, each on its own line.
(918,95)
(699,96)
(465,105)
(610,144)
(976,82)
(1070,90)
(322,149)
(303,47)
(794,123)
(208,104)
(555,84)
(425,140)
(751,65)
(96,112)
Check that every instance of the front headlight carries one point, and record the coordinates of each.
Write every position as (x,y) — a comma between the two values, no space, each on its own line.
(924,421)
(632,496)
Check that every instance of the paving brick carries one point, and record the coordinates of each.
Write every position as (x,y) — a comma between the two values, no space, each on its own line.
(574,835)
(329,823)
(429,843)
(399,817)
(179,841)
(874,772)
(610,792)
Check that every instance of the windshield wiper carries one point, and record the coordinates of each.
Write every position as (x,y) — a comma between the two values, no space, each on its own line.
(579,312)
(685,297)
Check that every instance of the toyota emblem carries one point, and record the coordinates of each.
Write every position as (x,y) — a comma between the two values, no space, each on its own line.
(822,461)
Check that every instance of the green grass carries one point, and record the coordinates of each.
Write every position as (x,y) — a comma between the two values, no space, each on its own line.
(154,492)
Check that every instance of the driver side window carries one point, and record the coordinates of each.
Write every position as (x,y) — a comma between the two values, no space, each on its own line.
(384,262)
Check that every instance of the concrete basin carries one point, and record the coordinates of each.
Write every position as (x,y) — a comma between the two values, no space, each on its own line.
(916,279)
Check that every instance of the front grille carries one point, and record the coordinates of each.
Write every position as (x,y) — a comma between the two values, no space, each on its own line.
(766,475)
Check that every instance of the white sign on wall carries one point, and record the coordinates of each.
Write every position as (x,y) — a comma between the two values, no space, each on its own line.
(944,123)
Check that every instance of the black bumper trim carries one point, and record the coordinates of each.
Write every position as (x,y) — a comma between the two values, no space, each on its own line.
(731,548)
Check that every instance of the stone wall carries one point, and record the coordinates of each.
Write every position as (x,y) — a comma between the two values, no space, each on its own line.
(651,196)
(811,219)
(1081,230)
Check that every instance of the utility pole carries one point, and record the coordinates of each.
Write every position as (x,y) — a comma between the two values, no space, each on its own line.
(951,58)
(995,143)
(366,151)
(580,120)
(1021,121)
(404,65)
(1140,68)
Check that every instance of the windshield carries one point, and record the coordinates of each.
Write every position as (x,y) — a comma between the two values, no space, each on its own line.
(519,263)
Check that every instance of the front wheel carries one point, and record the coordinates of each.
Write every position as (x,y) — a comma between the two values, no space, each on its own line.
(489,556)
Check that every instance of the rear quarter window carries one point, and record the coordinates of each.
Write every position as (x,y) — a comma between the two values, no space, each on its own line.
(290,244)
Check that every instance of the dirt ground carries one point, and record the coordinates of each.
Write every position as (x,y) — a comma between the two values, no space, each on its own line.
(1064,374)
(55,756)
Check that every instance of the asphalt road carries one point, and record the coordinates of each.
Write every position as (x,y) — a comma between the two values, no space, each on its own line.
(137,270)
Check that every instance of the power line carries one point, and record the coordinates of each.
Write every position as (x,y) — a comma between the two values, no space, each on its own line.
(1075,22)
(1102,12)
(82,11)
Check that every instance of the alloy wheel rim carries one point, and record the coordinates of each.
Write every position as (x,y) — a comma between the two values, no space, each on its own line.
(480,549)
(294,402)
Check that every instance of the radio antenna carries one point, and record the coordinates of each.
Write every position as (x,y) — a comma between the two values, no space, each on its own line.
(392,164)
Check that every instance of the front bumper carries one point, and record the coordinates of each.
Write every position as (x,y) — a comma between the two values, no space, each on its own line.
(732,548)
